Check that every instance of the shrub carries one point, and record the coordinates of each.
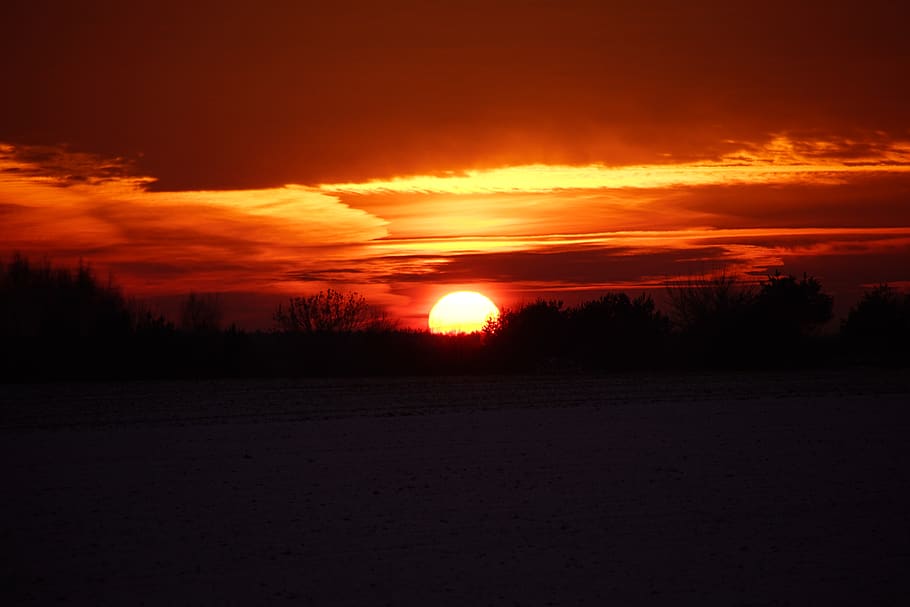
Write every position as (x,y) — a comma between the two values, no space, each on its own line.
(877,328)
(617,331)
(529,334)
(789,309)
(201,313)
(331,311)
(41,300)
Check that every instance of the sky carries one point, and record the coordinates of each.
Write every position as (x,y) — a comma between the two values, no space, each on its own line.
(407,149)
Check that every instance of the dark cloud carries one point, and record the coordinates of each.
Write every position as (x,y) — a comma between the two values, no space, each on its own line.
(63,167)
(869,201)
(233,94)
(375,269)
(805,240)
(580,265)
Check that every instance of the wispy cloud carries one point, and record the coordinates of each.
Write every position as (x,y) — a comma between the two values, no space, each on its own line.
(217,240)
(781,160)
(797,204)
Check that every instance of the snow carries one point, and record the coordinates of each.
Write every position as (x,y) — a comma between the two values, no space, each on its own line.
(708,489)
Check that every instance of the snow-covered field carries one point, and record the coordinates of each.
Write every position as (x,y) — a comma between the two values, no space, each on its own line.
(651,489)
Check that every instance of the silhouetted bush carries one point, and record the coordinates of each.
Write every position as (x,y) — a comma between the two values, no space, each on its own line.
(331,311)
(877,328)
(41,300)
(201,313)
(531,335)
(723,322)
(615,331)
(787,317)
(712,318)
(711,305)
(612,332)
(59,322)
(789,309)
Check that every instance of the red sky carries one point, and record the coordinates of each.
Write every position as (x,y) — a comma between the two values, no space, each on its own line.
(406,149)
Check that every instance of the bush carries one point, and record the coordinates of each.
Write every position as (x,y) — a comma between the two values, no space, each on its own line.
(877,328)
(201,313)
(530,334)
(712,318)
(39,300)
(331,311)
(616,331)
(721,321)
(789,309)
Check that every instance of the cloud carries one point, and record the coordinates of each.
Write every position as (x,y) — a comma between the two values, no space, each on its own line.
(228,96)
(172,241)
(58,165)
(781,160)
(757,209)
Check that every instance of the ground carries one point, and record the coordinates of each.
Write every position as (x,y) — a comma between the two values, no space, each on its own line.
(735,489)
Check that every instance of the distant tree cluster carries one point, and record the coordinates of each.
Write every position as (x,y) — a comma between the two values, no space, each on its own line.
(57,322)
(201,313)
(66,323)
(877,329)
(37,299)
(720,320)
(613,331)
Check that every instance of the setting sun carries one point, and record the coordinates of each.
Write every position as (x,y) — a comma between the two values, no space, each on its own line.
(462,312)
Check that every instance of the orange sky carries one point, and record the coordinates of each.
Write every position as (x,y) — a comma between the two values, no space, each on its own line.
(523,149)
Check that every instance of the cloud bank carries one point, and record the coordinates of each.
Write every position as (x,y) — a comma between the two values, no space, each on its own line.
(835,208)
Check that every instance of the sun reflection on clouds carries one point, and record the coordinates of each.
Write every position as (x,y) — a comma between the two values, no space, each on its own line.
(782,160)
(568,228)
(220,240)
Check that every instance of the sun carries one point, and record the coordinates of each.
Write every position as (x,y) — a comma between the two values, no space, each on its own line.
(462,312)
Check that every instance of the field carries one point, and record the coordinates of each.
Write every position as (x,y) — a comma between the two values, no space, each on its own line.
(636,489)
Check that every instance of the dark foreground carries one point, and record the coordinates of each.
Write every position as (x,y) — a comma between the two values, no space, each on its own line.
(727,490)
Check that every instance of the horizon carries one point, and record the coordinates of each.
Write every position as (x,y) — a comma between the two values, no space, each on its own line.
(477,310)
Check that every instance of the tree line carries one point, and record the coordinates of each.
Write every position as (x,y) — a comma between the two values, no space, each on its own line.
(68,323)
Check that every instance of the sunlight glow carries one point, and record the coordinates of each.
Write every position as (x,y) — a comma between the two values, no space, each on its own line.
(462,312)
(779,161)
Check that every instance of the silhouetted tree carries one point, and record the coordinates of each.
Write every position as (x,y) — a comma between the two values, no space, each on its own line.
(331,311)
(532,333)
(42,300)
(711,315)
(616,331)
(787,308)
(709,302)
(877,328)
(724,322)
(145,320)
(59,322)
(201,313)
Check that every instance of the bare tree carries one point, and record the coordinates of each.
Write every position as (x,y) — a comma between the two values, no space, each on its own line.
(201,313)
(331,311)
(708,300)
